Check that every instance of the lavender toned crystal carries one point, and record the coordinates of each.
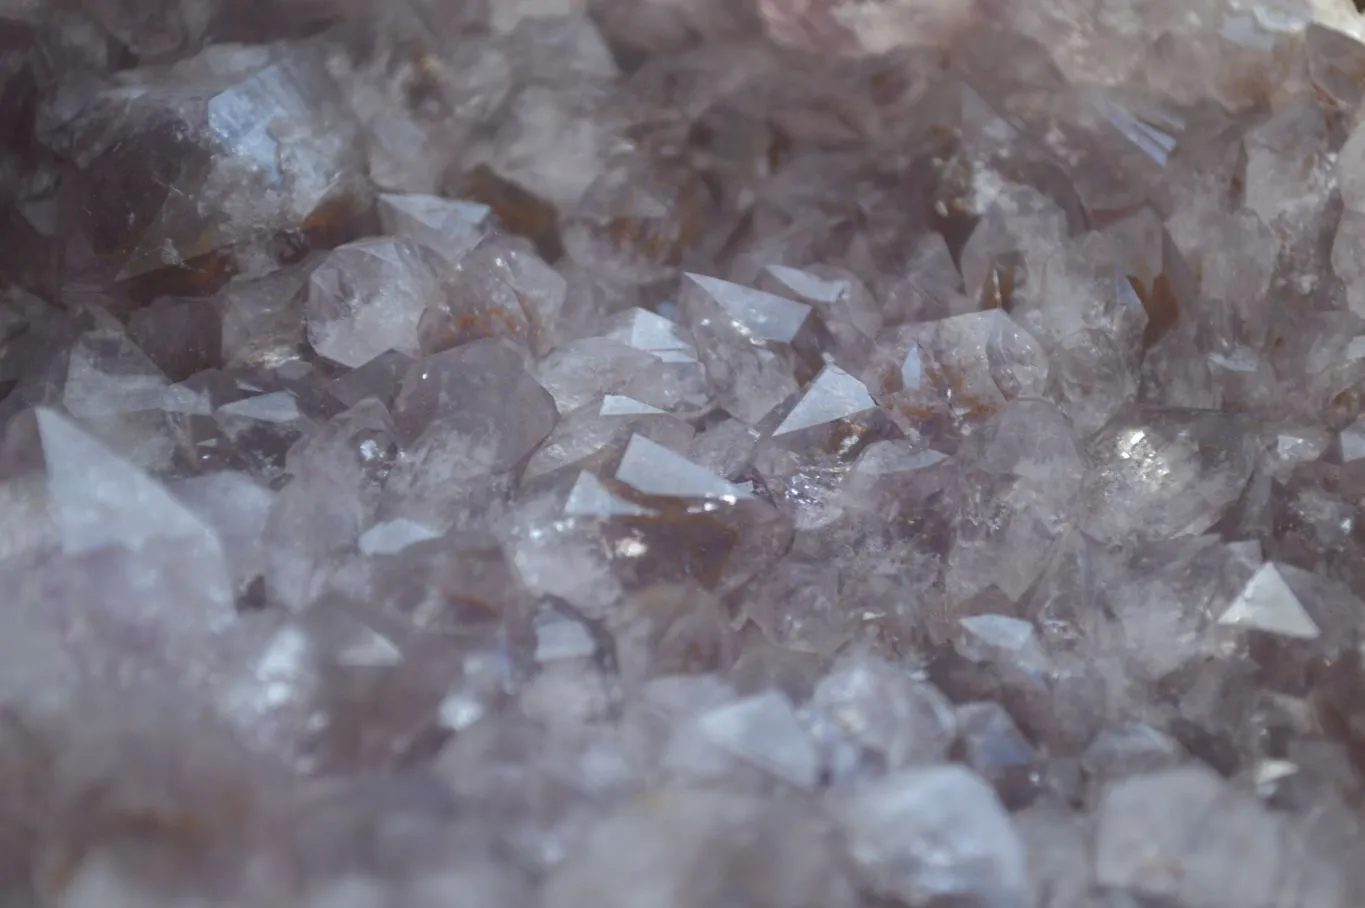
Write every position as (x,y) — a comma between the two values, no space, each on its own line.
(682,454)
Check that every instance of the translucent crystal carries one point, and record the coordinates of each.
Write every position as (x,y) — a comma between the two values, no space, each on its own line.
(696,527)
(1166,472)
(263,322)
(806,455)
(679,453)
(1268,604)
(653,469)
(887,710)
(662,842)
(454,398)
(593,435)
(213,157)
(634,222)
(936,833)
(369,297)
(1023,475)
(671,630)
(642,353)
(499,288)
(844,304)
(236,507)
(993,745)
(956,370)
(101,501)
(181,336)
(754,344)
(144,578)
(1129,749)
(764,730)
(1138,847)
(114,389)
(556,139)
(452,228)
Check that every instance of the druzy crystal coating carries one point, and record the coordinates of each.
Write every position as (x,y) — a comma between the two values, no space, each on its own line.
(682,454)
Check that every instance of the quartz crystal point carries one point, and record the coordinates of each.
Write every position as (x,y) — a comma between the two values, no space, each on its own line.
(758,348)
(498,288)
(641,354)
(659,519)
(593,435)
(118,393)
(215,157)
(451,228)
(130,587)
(369,297)
(805,456)
(452,419)
(1159,472)
(263,322)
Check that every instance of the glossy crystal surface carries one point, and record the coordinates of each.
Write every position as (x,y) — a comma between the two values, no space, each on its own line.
(682,454)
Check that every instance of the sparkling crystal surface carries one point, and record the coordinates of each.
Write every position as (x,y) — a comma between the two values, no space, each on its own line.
(682,454)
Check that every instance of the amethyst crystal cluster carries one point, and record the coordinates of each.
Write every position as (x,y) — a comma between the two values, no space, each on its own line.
(682,454)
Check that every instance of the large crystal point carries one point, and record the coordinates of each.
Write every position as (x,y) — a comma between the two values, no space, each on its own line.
(137,589)
(212,160)
(100,501)
(1268,604)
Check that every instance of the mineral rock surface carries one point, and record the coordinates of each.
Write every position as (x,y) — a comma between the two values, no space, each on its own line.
(682,454)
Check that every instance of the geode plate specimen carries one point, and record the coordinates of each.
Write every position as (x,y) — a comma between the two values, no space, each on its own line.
(682,454)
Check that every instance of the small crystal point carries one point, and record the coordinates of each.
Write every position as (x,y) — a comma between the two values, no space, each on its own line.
(833,395)
(764,730)
(589,498)
(755,314)
(655,470)
(1267,604)
(649,331)
(621,405)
